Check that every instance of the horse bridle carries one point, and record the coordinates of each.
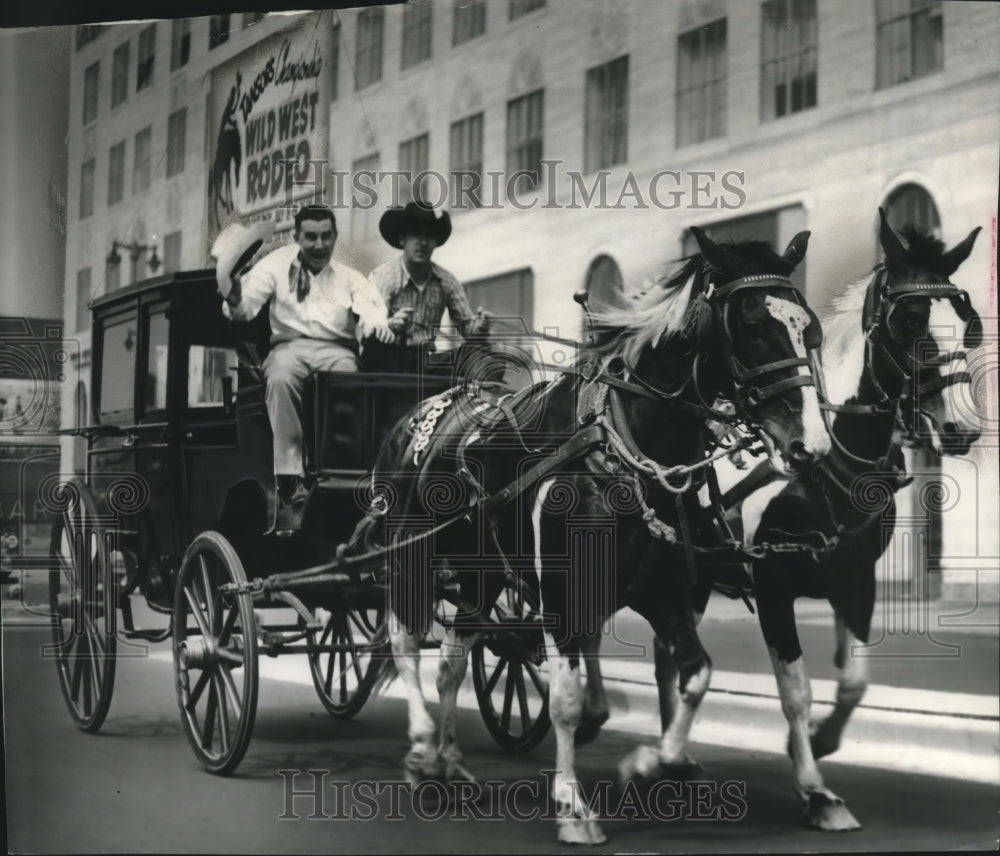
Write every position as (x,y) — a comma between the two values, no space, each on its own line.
(750,390)
(880,303)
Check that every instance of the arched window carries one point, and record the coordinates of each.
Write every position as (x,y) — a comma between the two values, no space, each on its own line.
(911,205)
(604,284)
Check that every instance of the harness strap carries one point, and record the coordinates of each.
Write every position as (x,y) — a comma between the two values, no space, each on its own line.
(944,381)
(773,367)
(779,387)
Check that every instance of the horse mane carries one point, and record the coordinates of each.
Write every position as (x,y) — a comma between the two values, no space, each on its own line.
(843,339)
(665,311)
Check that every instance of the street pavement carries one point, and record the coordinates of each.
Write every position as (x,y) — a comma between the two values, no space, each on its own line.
(919,768)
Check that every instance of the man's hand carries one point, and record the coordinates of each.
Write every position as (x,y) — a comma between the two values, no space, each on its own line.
(382,332)
(482,324)
(235,289)
(401,320)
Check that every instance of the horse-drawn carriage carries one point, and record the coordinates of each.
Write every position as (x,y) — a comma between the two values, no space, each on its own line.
(177,502)
(491,493)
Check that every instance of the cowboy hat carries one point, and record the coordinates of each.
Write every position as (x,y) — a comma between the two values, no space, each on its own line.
(396,222)
(233,249)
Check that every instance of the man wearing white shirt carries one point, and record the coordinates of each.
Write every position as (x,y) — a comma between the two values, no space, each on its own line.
(318,308)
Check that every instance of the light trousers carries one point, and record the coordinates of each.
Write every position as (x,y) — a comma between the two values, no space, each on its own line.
(286,368)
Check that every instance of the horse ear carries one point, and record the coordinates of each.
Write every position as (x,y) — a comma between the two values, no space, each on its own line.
(952,259)
(717,258)
(894,249)
(796,250)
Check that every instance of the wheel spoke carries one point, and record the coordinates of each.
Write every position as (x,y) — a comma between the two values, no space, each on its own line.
(225,676)
(230,623)
(206,586)
(77,660)
(522,697)
(220,693)
(328,682)
(343,675)
(197,613)
(209,722)
(508,701)
(199,688)
(536,679)
(497,672)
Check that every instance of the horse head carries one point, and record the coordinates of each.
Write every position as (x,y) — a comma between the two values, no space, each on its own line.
(759,339)
(920,326)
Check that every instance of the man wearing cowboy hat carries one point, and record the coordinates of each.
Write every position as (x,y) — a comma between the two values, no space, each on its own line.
(319,309)
(415,289)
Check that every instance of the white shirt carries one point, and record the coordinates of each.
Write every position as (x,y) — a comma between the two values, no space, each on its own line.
(336,294)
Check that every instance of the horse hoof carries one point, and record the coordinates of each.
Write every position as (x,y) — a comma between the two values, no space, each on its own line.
(641,763)
(829,814)
(420,767)
(589,728)
(579,830)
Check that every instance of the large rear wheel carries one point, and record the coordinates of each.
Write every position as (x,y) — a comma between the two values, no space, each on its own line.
(215,654)
(512,692)
(83,607)
(346,657)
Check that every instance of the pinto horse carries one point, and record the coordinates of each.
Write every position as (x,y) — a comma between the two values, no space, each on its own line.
(583,484)
(896,369)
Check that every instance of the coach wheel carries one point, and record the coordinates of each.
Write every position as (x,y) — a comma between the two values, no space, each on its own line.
(215,654)
(82,601)
(347,656)
(512,693)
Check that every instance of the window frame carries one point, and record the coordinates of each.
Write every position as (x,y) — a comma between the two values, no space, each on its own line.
(180,43)
(120,61)
(787,64)
(519,151)
(468,21)
(91,92)
(145,66)
(176,142)
(369,52)
(887,21)
(692,79)
(88,177)
(463,134)
(113,174)
(603,120)
(417,41)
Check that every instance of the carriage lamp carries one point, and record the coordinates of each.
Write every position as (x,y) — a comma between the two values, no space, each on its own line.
(135,251)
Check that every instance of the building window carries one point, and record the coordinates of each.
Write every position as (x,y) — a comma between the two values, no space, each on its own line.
(606,120)
(910,40)
(335,61)
(112,277)
(87,188)
(91,79)
(788,57)
(911,205)
(141,170)
(468,21)
(417,24)
(523,7)
(413,160)
(368,59)
(605,288)
(251,18)
(701,84)
(172,252)
(467,162)
(176,131)
(147,56)
(525,123)
(83,299)
(509,296)
(218,30)
(180,44)
(86,33)
(363,220)
(119,75)
(116,173)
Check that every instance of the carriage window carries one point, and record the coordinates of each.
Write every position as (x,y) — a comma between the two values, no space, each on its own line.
(158,351)
(207,368)
(118,367)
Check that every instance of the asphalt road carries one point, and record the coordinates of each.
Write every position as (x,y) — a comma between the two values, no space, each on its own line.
(136,787)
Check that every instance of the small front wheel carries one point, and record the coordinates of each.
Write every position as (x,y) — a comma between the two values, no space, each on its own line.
(215,654)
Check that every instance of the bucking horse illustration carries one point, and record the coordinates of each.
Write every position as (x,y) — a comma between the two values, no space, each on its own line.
(228,155)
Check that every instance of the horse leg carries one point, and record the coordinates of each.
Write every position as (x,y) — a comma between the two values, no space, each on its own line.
(824,809)
(595,700)
(575,819)
(422,761)
(851,685)
(576,822)
(454,661)
(683,667)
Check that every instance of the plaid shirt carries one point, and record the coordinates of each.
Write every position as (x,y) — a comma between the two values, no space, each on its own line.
(442,289)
